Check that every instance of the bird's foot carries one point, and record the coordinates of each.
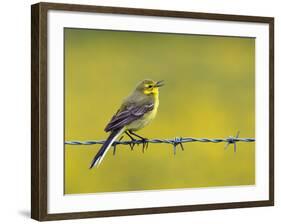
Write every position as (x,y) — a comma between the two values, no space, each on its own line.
(144,142)
(133,141)
(132,145)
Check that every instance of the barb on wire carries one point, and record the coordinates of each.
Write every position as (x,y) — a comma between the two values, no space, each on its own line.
(173,141)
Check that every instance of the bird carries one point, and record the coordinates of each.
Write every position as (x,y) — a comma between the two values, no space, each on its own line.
(136,111)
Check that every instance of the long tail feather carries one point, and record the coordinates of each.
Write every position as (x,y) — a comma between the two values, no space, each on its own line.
(105,147)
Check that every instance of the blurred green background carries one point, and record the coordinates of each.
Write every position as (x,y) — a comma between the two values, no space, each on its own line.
(209,92)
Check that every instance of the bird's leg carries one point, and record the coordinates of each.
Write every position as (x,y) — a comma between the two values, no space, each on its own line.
(133,140)
(144,140)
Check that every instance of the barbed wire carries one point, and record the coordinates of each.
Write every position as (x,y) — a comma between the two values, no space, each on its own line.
(173,141)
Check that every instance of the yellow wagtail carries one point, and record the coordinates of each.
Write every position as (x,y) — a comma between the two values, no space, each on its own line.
(136,111)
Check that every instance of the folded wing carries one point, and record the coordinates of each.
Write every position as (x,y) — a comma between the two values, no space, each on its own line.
(128,115)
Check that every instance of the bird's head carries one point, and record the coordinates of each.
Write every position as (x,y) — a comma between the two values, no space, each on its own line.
(149,86)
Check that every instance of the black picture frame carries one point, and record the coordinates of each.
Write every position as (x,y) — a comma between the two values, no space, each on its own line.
(39,105)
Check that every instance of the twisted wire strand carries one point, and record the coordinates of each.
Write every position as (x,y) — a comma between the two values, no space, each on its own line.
(173,141)
(176,140)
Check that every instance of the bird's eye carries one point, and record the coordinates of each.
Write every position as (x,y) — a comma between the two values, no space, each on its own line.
(150,86)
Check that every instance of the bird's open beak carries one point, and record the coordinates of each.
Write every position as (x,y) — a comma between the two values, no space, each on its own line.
(159,83)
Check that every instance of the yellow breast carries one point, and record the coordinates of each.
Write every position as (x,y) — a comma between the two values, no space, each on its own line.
(155,109)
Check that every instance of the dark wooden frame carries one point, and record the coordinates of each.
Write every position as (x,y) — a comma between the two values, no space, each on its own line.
(39,110)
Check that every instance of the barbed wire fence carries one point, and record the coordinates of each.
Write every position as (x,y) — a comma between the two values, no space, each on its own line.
(177,141)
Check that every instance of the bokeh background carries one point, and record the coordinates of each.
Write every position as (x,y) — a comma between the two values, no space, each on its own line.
(209,92)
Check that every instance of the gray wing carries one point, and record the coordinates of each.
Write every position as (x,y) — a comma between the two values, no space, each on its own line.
(126,116)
